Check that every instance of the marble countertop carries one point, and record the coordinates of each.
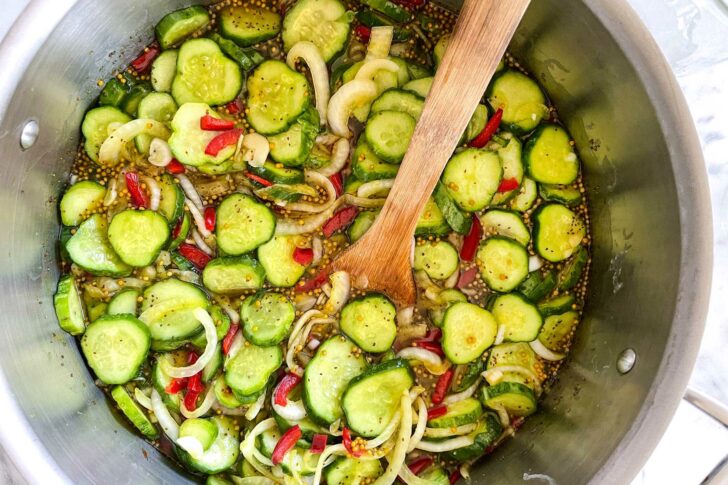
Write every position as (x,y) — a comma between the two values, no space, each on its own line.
(692,34)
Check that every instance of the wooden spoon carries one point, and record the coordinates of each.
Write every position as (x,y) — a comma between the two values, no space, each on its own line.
(380,260)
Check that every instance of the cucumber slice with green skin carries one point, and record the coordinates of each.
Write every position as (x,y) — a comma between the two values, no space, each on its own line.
(352,184)
(460,413)
(388,133)
(249,24)
(459,220)
(267,318)
(520,354)
(276,256)
(521,318)
(132,100)
(281,193)
(156,106)
(224,394)
(164,68)
(277,96)
(293,147)
(417,71)
(220,480)
(180,24)
(361,225)
(512,161)
(507,224)
(401,101)
(113,93)
(472,178)
(188,142)
(325,23)
(488,430)
(172,203)
(390,9)
(550,157)
(470,373)
(375,19)
(243,224)
(370,322)
(134,413)
(222,325)
(557,232)
(69,306)
(95,128)
(205,74)
(250,398)
(246,58)
(350,471)
(572,270)
(435,476)
(160,380)
(80,200)
(367,166)
(467,330)
(223,452)
(231,275)
(420,87)
(445,299)
(522,101)
(516,398)
(337,361)
(438,259)
(90,249)
(387,381)
(526,196)
(440,49)
(248,372)
(278,175)
(557,305)
(296,460)
(537,285)
(384,80)
(138,236)
(125,301)
(203,430)
(184,230)
(96,310)
(503,263)
(215,364)
(308,427)
(476,124)
(115,347)
(564,195)
(168,309)
(432,222)
(557,331)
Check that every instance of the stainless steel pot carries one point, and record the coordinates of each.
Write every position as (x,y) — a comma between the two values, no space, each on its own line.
(649,212)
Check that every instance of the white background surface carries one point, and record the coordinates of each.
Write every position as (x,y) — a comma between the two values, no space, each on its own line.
(694,37)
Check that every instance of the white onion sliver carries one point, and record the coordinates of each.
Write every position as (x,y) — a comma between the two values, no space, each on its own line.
(293,339)
(544,352)
(461,396)
(202,409)
(380,41)
(448,432)
(503,417)
(372,67)
(235,346)
(534,263)
(339,157)
(110,151)
(494,374)
(423,355)
(191,445)
(304,302)
(319,73)
(142,399)
(410,478)
(386,433)
(328,451)
(231,312)
(255,149)
(111,193)
(293,410)
(399,453)
(376,187)
(200,242)
(211,335)
(166,421)
(155,193)
(198,217)
(190,191)
(318,250)
(447,445)
(340,291)
(350,96)
(160,154)
(405,316)
(500,335)
(421,424)
(247,447)
(313,177)
(255,409)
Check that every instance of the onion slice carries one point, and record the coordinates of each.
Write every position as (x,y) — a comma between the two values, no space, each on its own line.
(142,399)
(198,217)
(203,408)
(380,41)
(461,396)
(191,445)
(110,151)
(372,67)
(166,421)
(160,154)
(421,427)
(339,157)
(544,352)
(319,73)
(399,453)
(248,449)
(447,445)
(190,191)
(256,149)
(321,180)
(255,409)
(375,188)
(449,432)
(340,291)
(211,335)
(495,374)
(350,96)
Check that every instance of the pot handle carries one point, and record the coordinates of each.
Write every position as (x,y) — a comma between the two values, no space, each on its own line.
(718,411)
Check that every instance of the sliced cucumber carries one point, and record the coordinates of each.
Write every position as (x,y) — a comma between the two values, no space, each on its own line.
(468,374)
(522,101)
(114,92)
(180,24)
(168,309)
(132,99)
(224,394)
(512,161)
(188,141)
(164,69)
(210,370)
(507,224)
(249,24)
(517,399)
(503,263)
(520,318)
(115,347)
(138,236)
(488,430)
(277,96)
(526,196)
(155,106)
(69,306)
(243,224)
(390,9)
(223,452)
(435,475)
(203,431)
(233,274)
(438,259)
(550,156)
(222,325)
(184,230)
(420,87)
(277,174)
(90,249)
(537,285)
(361,225)
(367,166)
(388,133)
(293,147)
(296,461)
(472,178)
(247,58)
(476,124)
(267,318)
(325,23)
(558,330)
(519,354)
(370,322)
(276,256)
(401,101)
(572,270)
(205,74)
(459,220)
(432,222)
(467,330)
(557,232)
(387,381)
(440,49)
(80,200)
(134,413)
(172,203)
(308,427)
(563,195)
(459,413)
(248,372)
(160,380)
(125,301)
(351,471)
(444,300)
(557,305)
(95,128)
(337,361)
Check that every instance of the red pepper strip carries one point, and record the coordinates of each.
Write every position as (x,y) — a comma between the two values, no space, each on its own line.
(234,107)
(433,335)
(363,32)
(338,183)
(346,438)
(227,341)
(431,346)
(436,412)
(315,282)
(507,185)
(490,128)
(471,241)
(303,256)
(442,386)
(194,255)
(339,220)
(174,167)
(138,197)
(194,385)
(467,277)
(289,381)
(287,441)
(176,385)
(318,443)
(260,180)
(144,61)
(517,422)
(420,464)
(177,228)
(454,477)
(210,218)
(210,123)
(222,141)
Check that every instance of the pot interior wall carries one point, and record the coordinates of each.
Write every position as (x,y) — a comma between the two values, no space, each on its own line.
(633,204)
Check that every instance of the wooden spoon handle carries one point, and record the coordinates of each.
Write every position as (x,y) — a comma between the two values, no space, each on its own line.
(481,37)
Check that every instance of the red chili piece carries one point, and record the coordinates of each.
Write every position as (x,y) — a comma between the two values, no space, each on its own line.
(138,197)
(346,438)
(176,385)
(507,185)
(194,385)
(433,335)
(471,241)
(287,441)
(177,228)
(490,128)
(303,256)
(338,183)
(339,220)
(144,61)
(210,123)
(363,32)
(454,477)
(258,179)
(210,218)
(222,141)
(431,346)
(289,381)
(227,341)
(467,277)
(174,167)
(315,282)
(318,443)
(436,412)
(234,107)
(194,255)
(442,386)
(420,464)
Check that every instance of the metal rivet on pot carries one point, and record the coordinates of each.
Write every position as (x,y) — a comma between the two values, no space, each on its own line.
(626,361)
(29,134)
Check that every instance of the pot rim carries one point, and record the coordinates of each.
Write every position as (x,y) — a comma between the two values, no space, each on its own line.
(28,453)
